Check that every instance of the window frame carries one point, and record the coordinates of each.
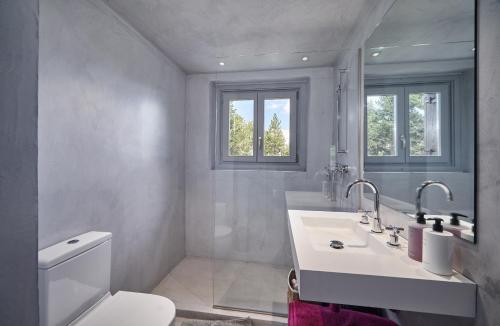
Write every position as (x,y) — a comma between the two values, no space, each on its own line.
(450,117)
(446,122)
(222,92)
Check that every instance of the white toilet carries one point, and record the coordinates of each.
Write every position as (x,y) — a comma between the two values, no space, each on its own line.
(74,280)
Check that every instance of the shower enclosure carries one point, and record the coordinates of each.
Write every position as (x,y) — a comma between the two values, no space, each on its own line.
(251,247)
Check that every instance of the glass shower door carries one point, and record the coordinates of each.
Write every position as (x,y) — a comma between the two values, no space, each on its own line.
(251,249)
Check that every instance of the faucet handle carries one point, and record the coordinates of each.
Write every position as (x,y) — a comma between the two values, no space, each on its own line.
(394,236)
(364,216)
(394,228)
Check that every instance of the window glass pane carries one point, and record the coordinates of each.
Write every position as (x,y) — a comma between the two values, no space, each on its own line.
(425,124)
(241,126)
(381,125)
(277,127)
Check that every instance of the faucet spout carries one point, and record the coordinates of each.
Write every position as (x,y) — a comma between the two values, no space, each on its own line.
(420,189)
(377,222)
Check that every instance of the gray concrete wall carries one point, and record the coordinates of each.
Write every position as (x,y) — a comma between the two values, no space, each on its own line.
(246,209)
(111,140)
(482,262)
(18,157)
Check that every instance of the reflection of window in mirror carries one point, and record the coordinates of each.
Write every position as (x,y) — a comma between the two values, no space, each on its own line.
(408,125)
(420,106)
(424,123)
(381,125)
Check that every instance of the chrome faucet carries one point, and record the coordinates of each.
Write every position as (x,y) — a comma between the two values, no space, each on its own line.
(418,201)
(377,222)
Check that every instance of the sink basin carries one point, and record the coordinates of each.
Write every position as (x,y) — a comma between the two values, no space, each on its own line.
(367,271)
(321,230)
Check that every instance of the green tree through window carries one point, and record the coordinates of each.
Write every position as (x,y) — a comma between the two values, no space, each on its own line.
(380,124)
(240,134)
(275,143)
(408,126)
(417,124)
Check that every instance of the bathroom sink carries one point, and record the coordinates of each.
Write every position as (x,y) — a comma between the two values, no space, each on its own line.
(366,271)
(321,230)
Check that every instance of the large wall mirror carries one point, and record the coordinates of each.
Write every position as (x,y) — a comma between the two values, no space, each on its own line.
(420,109)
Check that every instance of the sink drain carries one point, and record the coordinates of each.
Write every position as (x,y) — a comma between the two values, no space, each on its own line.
(336,244)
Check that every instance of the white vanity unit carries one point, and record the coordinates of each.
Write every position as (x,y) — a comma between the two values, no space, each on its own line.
(367,271)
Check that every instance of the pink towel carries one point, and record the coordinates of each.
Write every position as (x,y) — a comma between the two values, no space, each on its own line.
(310,314)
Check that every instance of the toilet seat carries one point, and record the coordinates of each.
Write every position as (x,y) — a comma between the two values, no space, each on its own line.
(130,309)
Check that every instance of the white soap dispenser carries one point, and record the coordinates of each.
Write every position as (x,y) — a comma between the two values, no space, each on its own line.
(437,253)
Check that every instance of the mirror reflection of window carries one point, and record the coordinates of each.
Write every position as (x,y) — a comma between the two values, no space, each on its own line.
(381,125)
(425,124)
(420,108)
(408,124)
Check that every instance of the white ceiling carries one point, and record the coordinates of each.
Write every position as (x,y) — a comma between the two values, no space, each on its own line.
(424,31)
(245,34)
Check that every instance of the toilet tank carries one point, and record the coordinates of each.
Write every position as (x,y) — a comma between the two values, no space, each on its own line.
(73,275)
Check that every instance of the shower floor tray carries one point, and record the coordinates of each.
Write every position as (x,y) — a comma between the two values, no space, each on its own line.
(239,289)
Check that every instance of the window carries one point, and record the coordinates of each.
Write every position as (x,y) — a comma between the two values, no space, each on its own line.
(407,126)
(260,125)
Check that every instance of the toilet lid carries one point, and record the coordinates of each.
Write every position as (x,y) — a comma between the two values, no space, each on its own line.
(130,309)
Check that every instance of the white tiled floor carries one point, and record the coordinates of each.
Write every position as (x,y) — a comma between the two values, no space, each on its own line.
(191,286)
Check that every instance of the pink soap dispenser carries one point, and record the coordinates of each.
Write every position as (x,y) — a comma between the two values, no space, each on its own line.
(415,234)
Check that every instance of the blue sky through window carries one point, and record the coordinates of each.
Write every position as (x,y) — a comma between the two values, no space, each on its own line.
(282,109)
(279,106)
(244,108)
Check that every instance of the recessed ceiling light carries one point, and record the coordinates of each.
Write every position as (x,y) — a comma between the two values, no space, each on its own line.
(305,58)
(381,48)
(221,64)
(375,54)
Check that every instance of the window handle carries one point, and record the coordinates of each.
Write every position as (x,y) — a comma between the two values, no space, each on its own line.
(260,142)
(402,138)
